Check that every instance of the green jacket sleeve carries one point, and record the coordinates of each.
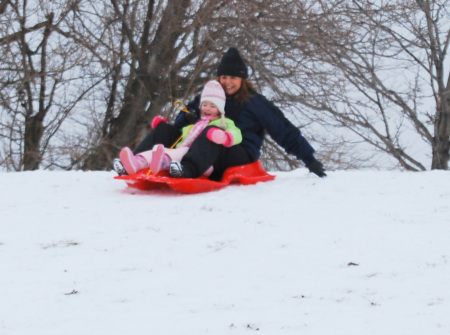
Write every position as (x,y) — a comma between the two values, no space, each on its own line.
(235,131)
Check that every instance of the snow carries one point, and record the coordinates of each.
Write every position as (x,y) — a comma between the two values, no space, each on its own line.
(359,252)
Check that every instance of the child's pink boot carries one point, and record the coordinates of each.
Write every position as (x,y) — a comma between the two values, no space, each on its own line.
(131,163)
(160,160)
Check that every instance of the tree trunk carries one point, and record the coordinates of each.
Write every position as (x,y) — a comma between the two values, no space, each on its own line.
(441,144)
(124,129)
(34,125)
(32,139)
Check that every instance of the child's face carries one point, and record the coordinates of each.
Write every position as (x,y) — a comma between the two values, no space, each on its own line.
(209,111)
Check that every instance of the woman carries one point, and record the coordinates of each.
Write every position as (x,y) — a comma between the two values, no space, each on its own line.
(251,112)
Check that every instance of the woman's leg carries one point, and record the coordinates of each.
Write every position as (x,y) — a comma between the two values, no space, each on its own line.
(232,156)
(165,134)
(203,154)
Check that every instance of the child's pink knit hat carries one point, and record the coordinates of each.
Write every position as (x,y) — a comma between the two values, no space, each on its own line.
(214,93)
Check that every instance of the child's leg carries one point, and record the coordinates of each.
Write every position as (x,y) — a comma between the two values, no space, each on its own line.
(177,154)
(162,157)
(209,171)
(132,164)
(160,161)
(147,155)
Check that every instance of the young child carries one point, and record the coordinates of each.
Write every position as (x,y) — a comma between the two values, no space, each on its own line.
(212,110)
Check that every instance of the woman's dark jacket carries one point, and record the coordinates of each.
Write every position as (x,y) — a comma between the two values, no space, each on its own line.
(254,117)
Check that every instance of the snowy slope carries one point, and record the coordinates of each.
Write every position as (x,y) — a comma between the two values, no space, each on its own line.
(362,252)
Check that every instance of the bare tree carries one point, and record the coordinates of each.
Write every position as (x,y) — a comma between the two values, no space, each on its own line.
(178,48)
(79,80)
(382,62)
(370,73)
(38,73)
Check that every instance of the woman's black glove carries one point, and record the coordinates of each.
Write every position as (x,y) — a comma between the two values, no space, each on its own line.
(193,116)
(317,167)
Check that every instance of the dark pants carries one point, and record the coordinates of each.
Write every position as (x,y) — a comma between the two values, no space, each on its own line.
(204,153)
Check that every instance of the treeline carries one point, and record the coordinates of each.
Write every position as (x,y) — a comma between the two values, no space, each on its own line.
(365,80)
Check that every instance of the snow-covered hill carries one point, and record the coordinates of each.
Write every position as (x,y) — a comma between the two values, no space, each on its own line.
(363,252)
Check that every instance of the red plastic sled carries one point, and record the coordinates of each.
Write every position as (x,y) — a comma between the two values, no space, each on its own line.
(243,174)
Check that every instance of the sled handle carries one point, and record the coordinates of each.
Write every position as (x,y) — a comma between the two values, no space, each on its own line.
(181,106)
(182,135)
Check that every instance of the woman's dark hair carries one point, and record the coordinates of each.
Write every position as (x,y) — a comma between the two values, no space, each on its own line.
(246,91)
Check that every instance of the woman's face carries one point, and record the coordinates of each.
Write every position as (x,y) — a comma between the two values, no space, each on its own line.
(230,84)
